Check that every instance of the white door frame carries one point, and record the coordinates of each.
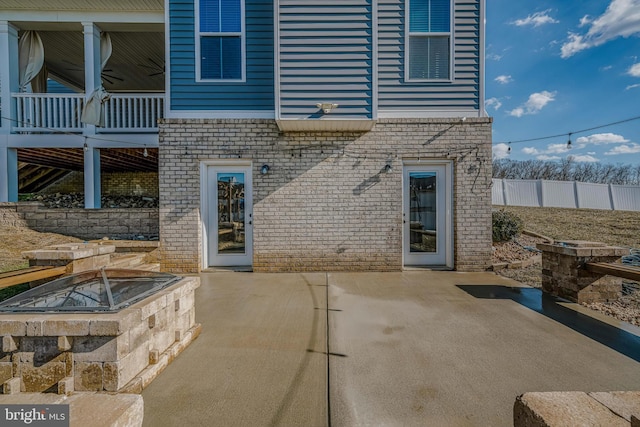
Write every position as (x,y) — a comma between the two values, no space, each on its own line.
(209,214)
(446,210)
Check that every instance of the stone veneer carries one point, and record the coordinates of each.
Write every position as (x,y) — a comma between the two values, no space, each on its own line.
(564,275)
(120,351)
(325,203)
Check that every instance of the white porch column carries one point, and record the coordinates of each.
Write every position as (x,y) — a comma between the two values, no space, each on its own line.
(92,188)
(91,82)
(8,84)
(8,74)
(8,172)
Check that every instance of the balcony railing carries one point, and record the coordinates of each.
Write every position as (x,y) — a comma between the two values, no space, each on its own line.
(44,112)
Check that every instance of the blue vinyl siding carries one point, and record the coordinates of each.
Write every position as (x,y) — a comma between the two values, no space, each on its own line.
(462,93)
(326,55)
(255,94)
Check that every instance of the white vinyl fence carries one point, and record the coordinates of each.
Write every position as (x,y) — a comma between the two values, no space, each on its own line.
(565,194)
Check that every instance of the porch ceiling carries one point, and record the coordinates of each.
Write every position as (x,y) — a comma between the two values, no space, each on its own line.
(136,64)
(111,160)
(84,5)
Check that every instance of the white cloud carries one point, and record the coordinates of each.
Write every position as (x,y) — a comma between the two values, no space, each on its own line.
(536,20)
(557,148)
(634,70)
(585,158)
(530,151)
(602,138)
(585,20)
(632,86)
(621,19)
(494,56)
(545,158)
(500,151)
(503,79)
(517,112)
(624,149)
(493,102)
(535,103)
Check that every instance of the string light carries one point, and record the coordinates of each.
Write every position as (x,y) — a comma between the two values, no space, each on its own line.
(145,153)
(574,132)
(569,142)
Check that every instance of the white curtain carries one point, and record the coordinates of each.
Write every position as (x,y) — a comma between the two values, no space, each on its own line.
(39,82)
(30,57)
(105,49)
(93,110)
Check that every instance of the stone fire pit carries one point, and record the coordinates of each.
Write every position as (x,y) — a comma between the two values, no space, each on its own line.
(98,351)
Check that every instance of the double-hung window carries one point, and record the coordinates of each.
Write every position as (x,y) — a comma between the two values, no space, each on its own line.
(428,50)
(220,40)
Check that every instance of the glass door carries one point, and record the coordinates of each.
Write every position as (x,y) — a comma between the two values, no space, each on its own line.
(426,234)
(230,216)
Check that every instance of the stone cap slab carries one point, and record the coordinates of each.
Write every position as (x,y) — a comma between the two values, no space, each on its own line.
(623,403)
(69,251)
(88,409)
(581,248)
(574,408)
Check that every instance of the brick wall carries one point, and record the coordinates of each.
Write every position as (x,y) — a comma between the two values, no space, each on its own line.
(325,203)
(90,223)
(112,184)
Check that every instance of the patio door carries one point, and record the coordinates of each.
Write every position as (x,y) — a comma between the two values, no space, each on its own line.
(427,217)
(230,216)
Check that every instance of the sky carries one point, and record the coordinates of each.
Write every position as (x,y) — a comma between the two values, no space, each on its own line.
(557,67)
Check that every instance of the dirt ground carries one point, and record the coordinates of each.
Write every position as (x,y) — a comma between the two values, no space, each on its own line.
(14,240)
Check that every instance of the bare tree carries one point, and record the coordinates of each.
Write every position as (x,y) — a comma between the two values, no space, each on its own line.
(567,170)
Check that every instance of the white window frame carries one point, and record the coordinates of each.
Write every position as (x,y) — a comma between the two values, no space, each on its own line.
(408,34)
(243,42)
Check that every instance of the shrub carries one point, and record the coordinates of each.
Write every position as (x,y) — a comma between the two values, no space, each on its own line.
(505,225)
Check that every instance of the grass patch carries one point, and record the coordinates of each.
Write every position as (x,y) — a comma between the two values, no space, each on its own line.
(619,228)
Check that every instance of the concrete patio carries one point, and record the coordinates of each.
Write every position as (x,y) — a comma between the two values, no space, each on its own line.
(410,348)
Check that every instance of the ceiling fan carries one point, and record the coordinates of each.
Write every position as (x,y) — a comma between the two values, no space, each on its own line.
(155,69)
(106,74)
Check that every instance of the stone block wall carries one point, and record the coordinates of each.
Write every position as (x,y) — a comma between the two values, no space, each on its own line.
(89,223)
(326,203)
(10,216)
(111,184)
(564,275)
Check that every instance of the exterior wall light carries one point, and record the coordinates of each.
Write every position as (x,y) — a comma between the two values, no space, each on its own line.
(326,107)
(264,169)
(388,167)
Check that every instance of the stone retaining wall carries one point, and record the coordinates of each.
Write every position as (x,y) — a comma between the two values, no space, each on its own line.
(10,216)
(82,223)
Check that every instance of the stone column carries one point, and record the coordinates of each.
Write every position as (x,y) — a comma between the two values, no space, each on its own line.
(564,274)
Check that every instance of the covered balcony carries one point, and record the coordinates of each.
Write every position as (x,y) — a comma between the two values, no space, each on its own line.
(76,77)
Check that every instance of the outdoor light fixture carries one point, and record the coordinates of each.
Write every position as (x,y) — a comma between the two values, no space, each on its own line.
(86,147)
(145,153)
(388,167)
(509,148)
(264,169)
(326,107)
(569,142)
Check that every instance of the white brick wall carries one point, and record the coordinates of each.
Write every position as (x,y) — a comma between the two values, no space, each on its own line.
(325,204)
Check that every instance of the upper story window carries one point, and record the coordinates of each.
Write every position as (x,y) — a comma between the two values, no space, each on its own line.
(428,50)
(220,40)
